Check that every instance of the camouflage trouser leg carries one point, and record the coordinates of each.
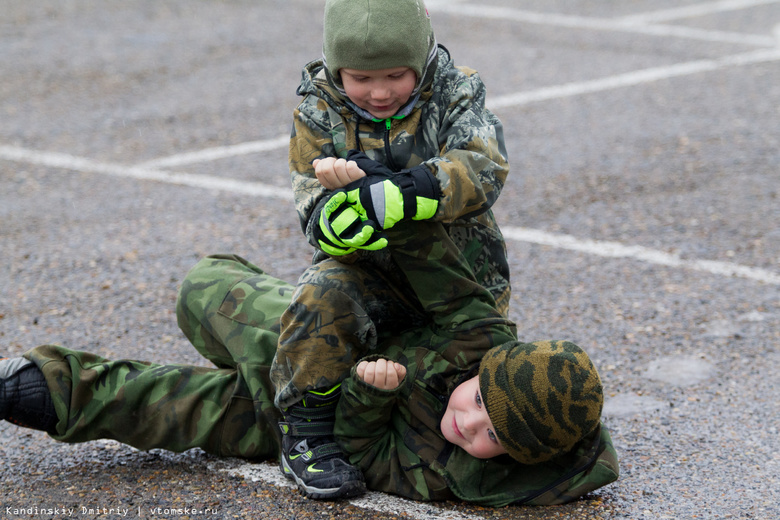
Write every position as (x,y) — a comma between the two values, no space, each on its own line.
(338,313)
(230,311)
(464,314)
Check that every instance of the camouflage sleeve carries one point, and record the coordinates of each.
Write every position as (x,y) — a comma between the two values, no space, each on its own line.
(370,433)
(472,165)
(310,139)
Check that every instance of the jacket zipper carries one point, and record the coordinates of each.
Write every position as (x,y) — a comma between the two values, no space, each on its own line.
(388,153)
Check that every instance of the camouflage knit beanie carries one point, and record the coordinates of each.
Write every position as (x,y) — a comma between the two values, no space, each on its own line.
(542,397)
(378,34)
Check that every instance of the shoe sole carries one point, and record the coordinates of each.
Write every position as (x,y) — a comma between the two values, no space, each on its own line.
(349,489)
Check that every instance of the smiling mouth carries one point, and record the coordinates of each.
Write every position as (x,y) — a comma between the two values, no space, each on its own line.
(456,429)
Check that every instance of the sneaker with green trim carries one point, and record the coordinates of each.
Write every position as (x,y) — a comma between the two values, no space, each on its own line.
(310,455)
(25,399)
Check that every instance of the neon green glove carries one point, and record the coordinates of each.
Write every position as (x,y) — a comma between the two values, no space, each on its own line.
(387,198)
(342,230)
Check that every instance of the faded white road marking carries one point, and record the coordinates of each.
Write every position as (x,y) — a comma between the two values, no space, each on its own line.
(71,162)
(218,152)
(631,24)
(535,236)
(690,11)
(633,78)
(610,249)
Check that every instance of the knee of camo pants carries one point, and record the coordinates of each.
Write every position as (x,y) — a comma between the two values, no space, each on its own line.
(331,323)
(230,310)
(324,332)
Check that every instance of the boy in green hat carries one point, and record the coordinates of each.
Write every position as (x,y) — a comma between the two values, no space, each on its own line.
(389,135)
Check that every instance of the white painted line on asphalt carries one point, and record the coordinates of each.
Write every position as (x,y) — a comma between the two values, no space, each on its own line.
(374,501)
(532,17)
(535,236)
(218,152)
(690,11)
(80,164)
(633,78)
(705,35)
(610,249)
(625,24)
(259,472)
(394,505)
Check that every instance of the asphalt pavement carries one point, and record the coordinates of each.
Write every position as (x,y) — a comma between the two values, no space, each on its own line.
(641,213)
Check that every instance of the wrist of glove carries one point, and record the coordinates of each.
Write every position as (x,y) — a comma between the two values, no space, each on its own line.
(386,198)
(341,229)
(371,167)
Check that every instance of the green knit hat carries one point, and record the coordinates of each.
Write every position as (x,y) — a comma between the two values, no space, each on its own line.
(542,397)
(378,34)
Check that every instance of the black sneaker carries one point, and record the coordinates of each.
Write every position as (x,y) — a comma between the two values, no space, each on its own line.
(25,399)
(310,455)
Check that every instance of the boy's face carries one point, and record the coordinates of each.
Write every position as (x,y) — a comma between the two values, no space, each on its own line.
(466,422)
(379,92)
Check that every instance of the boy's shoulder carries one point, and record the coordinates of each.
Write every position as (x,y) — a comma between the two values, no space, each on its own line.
(451,79)
(466,71)
(447,67)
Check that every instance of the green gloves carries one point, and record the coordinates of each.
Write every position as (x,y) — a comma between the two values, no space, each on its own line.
(353,217)
(341,229)
(386,198)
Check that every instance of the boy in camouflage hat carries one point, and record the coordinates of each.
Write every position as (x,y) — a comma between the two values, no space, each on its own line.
(542,445)
(463,410)
(389,135)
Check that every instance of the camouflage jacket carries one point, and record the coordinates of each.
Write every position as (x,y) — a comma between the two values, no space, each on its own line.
(395,439)
(449,130)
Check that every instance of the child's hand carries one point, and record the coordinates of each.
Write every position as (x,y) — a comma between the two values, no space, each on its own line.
(382,373)
(336,173)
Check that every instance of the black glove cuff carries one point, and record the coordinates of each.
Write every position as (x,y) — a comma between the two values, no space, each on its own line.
(371,167)
(425,182)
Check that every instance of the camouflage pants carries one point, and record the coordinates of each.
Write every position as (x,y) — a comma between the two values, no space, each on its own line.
(230,311)
(235,315)
(339,313)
